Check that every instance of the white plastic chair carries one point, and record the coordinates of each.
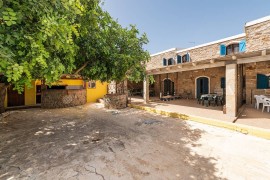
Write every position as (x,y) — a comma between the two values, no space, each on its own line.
(266,103)
(259,100)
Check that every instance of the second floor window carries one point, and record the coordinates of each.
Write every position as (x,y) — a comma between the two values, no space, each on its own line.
(232,49)
(185,58)
(170,62)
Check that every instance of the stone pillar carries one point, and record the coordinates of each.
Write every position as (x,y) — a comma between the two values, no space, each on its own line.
(146,90)
(231,90)
(112,87)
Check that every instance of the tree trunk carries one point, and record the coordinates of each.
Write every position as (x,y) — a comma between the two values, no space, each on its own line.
(2,97)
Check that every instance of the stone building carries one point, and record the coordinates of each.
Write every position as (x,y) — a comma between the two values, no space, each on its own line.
(236,67)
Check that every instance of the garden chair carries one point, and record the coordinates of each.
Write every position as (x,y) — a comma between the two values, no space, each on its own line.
(259,100)
(220,100)
(266,103)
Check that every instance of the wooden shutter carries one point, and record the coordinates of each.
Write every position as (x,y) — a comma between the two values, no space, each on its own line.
(188,57)
(242,46)
(222,50)
(262,81)
(164,62)
(222,83)
(179,59)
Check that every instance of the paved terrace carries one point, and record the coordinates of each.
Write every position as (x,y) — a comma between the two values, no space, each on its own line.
(249,115)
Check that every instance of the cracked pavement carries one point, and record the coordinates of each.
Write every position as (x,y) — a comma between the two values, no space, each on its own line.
(90,142)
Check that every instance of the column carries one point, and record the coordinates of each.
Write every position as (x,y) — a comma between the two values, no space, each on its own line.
(146,90)
(231,90)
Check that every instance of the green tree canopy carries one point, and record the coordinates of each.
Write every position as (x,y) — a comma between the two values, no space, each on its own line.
(48,38)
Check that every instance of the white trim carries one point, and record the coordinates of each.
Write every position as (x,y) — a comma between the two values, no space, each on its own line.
(167,78)
(214,42)
(233,42)
(168,50)
(257,21)
(196,85)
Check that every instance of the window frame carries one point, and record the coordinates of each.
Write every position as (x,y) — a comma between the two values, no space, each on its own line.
(267,83)
(92,84)
(185,58)
(232,48)
(170,62)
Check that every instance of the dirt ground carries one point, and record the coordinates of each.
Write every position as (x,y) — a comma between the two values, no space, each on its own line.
(90,142)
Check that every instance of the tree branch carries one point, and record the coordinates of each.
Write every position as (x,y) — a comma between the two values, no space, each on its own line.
(82,67)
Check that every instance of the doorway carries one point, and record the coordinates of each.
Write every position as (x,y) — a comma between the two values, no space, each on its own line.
(14,98)
(168,87)
(202,86)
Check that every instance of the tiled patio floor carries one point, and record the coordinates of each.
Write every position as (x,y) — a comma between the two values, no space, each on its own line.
(249,116)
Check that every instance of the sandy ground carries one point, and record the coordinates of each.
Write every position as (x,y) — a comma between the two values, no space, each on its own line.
(90,142)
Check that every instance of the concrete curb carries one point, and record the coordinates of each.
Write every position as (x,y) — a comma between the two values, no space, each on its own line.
(254,131)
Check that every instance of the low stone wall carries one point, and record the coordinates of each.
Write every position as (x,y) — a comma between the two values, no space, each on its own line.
(61,98)
(115,101)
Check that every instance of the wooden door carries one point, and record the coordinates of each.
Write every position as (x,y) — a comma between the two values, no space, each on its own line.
(14,98)
(202,86)
(168,87)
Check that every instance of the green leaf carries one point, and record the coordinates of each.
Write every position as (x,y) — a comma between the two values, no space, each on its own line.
(9,23)
(6,18)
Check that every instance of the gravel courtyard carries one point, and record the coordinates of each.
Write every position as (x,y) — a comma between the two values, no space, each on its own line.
(90,142)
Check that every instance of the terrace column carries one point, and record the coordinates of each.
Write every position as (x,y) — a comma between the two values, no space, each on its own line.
(146,89)
(231,90)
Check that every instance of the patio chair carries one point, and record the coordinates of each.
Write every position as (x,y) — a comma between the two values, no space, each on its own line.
(220,100)
(266,103)
(199,100)
(211,101)
(259,100)
(206,101)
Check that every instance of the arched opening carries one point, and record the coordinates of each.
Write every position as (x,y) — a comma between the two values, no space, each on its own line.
(168,87)
(202,86)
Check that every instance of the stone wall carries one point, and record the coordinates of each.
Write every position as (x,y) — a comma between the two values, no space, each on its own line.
(258,36)
(208,52)
(197,54)
(157,60)
(61,98)
(185,81)
(115,101)
(251,70)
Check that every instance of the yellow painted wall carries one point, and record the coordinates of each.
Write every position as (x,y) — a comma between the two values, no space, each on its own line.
(96,93)
(70,82)
(92,94)
(30,94)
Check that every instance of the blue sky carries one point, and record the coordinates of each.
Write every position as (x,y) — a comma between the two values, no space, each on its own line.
(185,23)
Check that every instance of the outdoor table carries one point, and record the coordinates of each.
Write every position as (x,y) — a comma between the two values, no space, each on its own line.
(166,98)
(205,98)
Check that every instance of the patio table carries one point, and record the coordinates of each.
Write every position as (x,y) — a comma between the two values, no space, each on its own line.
(207,98)
(166,98)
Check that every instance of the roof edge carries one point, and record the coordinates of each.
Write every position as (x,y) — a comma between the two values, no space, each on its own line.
(257,21)
(214,42)
(168,50)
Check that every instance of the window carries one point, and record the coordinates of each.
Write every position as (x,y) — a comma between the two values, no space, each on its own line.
(92,84)
(232,49)
(263,81)
(170,62)
(186,58)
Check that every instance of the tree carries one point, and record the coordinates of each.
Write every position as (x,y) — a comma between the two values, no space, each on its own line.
(48,38)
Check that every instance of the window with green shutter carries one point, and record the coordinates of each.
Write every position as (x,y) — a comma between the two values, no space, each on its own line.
(263,81)
(164,62)
(170,62)
(179,59)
